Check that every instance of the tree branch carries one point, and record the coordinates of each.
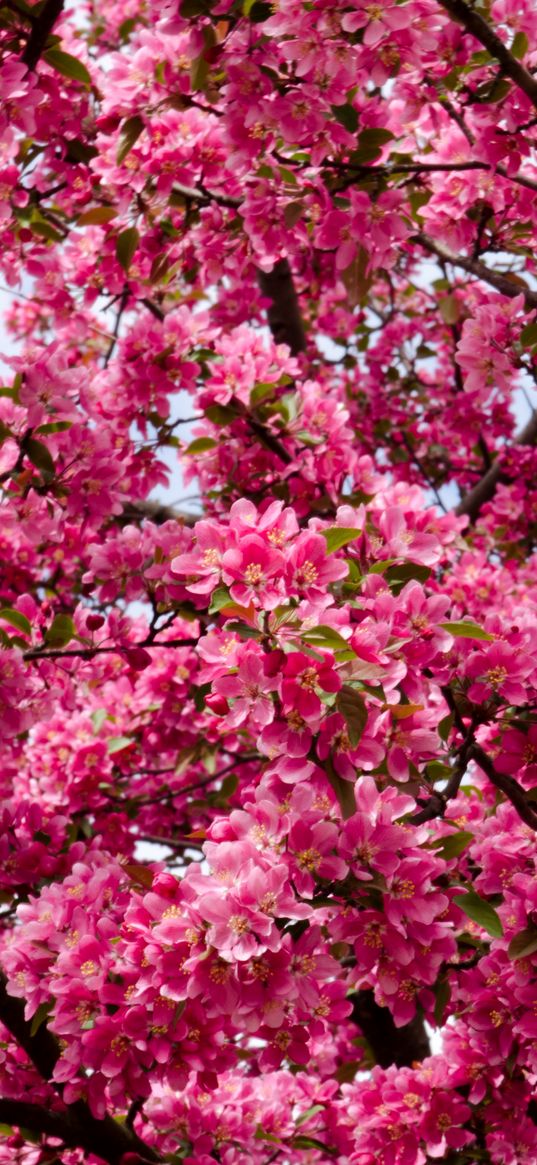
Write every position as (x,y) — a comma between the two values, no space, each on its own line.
(472,503)
(284,316)
(478,27)
(156,512)
(402,1046)
(117,649)
(506,784)
(105,1138)
(42,26)
(475,267)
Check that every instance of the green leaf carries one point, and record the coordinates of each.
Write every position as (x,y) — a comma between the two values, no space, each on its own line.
(55,427)
(481,912)
(401,572)
(523,944)
(130,132)
(445,726)
(450,309)
(452,846)
(466,630)
(126,245)
(96,216)
(243,630)
(370,143)
(323,636)
(352,707)
(302,1142)
(42,1013)
(220,598)
(528,335)
(16,619)
(338,536)
(261,392)
(200,445)
(39,455)
(118,743)
(98,718)
(519,46)
(305,1116)
(443,996)
(60,632)
(67,65)
(220,414)
(347,116)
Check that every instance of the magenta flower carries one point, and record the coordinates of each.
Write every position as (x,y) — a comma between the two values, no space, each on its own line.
(303,678)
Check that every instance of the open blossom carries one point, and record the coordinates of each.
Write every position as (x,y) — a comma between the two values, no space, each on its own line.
(250,689)
(253,572)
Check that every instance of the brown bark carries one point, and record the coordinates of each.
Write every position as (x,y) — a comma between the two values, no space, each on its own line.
(478,27)
(42,26)
(402,1046)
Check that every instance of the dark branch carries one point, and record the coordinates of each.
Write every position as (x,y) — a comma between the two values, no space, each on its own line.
(478,27)
(284,315)
(42,26)
(156,512)
(502,283)
(117,649)
(38,1119)
(485,489)
(105,1138)
(506,784)
(402,1046)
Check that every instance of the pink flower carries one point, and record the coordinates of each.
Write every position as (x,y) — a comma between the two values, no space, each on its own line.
(253,570)
(249,689)
(303,678)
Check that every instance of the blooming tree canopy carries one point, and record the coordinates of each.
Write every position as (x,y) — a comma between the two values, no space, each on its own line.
(316,691)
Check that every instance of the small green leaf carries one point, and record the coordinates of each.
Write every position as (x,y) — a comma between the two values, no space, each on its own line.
(67,65)
(302,1142)
(16,619)
(481,912)
(347,116)
(243,630)
(450,309)
(130,132)
(466,630)
(98,718)
(39,455)
(528,335)
(96,216)
(443,996)
(370,143)
(126,245)
(523,944)
(42,1013)
(200,445)
(54,427)
(445,726)
(352,707)
(220,414)
(519,46)
(452,846)
(328,637)
(338,536)
(220,598)
(305,1116)
(118,743)
(60,632)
